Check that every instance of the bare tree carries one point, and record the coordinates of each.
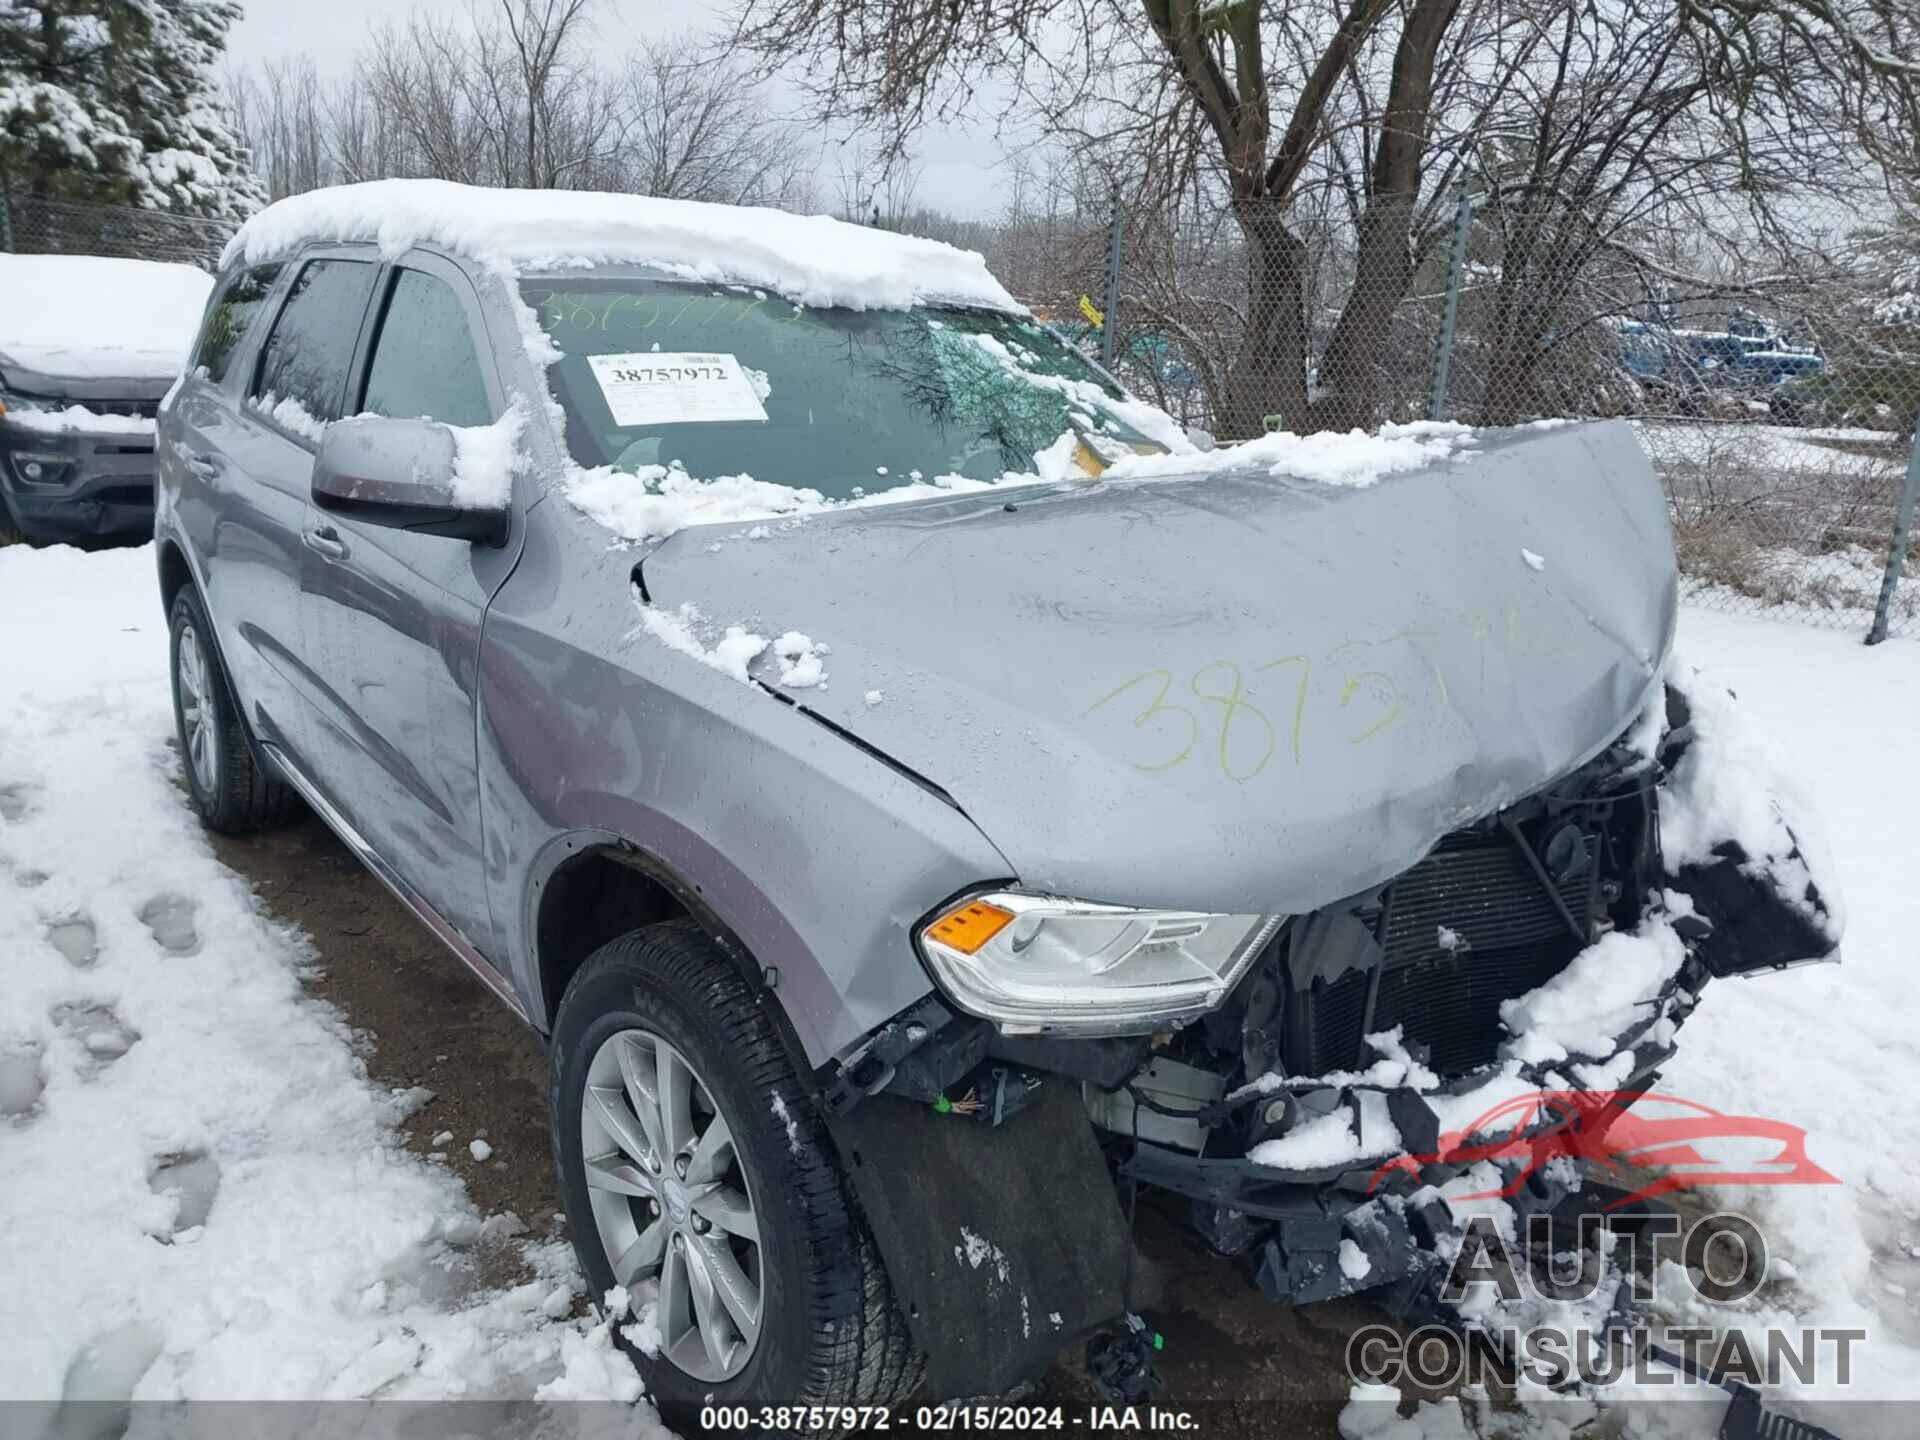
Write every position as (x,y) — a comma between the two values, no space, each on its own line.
(1360,116)
(693,132)
(876,187)
(516,98)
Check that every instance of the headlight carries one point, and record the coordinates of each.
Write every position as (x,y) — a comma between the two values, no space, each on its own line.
(1038,962)
(20,404)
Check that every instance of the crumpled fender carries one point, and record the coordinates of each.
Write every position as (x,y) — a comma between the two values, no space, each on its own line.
(1762,895)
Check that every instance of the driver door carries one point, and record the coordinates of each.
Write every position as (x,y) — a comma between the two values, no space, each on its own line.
(395,616)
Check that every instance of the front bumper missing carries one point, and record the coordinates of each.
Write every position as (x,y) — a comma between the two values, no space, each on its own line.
(1298,1219)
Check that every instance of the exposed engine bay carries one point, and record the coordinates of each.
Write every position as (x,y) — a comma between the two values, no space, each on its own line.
(1495,910)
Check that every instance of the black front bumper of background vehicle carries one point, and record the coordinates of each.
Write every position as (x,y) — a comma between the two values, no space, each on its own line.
(105,491)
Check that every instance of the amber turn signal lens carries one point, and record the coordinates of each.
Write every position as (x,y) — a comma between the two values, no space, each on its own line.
(967,927)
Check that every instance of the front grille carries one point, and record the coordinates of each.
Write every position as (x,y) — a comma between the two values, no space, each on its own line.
(1511,938)
(145,409)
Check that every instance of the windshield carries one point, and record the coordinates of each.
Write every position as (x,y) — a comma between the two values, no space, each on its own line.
(721,380)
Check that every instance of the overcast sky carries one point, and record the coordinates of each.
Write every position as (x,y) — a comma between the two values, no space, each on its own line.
(956,164)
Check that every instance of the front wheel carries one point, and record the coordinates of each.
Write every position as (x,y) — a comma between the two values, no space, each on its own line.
(698,1177)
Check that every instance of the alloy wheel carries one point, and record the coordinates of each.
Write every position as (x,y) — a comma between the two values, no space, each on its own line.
(196,709)
(672,1202)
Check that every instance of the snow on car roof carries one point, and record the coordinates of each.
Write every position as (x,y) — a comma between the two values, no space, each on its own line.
(809,259)
(98,317)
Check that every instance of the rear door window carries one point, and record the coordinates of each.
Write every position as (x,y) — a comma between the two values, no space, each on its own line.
(302,377)
(227,323)
(425,364)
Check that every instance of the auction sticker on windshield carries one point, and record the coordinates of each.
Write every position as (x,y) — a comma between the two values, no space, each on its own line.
(675,388)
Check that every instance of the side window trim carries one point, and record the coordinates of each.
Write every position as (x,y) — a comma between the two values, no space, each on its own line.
(428,263)
(277,304)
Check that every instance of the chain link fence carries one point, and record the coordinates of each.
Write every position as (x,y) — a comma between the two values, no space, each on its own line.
(42,225)
(1772,373)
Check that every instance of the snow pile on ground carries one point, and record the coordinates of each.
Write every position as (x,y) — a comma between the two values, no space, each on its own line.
(78,419)
(204,1197)
(1828,1048)
(808,259)
(485,458)
(91,316)
(1838,587)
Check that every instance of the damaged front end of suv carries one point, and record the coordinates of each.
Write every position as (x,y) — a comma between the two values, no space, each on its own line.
(1554,946)
(1280,1071)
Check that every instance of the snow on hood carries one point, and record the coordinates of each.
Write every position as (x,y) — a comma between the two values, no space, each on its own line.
(95,317)
(656,501)
(1353,457)
(78,419)
(808,259)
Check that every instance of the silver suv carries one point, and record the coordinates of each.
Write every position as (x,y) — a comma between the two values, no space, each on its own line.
(1078,831)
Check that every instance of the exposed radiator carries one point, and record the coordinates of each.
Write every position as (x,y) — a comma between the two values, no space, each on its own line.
(1511,938)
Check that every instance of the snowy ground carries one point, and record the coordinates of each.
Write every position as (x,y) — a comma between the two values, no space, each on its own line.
(1833,1048)
(201,1195)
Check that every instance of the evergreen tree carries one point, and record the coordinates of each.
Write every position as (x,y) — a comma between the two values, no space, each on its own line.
(115,100)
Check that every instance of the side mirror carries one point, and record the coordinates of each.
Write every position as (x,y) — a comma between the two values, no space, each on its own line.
(400,474)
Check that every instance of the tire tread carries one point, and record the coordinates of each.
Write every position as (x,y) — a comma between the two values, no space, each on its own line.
(862,1351)
(247,798)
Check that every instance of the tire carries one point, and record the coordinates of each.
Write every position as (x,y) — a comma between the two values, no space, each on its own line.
(829,1331)
(230,792)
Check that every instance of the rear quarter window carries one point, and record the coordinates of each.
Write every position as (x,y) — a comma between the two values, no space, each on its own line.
(230,317)
(310,348)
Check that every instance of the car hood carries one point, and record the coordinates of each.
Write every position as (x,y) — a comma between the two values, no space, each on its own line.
(81,376)
(1235,692)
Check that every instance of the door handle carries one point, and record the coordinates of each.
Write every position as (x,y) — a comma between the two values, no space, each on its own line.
(325,540)
(200,464)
